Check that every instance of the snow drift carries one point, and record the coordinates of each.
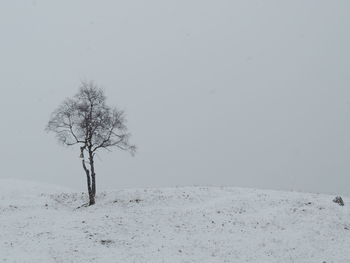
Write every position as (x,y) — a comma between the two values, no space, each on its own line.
(40,223)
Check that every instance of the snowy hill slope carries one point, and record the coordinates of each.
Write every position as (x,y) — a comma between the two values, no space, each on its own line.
(39,223)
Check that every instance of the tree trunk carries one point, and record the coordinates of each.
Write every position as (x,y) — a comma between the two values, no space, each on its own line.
(93,174)
(91,199)
(90,191)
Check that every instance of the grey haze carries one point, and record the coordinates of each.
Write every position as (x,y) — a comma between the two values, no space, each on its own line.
(239,93)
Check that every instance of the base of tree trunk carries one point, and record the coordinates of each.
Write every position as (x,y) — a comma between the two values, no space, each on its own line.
(91,200)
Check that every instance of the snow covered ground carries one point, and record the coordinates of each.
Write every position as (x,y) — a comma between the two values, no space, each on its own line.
(41,223)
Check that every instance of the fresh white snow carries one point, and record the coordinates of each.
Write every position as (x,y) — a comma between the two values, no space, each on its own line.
(41,223)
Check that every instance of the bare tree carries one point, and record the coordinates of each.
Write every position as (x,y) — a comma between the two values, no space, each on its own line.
(87,121)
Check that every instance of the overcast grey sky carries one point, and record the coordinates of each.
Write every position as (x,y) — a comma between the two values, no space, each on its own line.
(239,93)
